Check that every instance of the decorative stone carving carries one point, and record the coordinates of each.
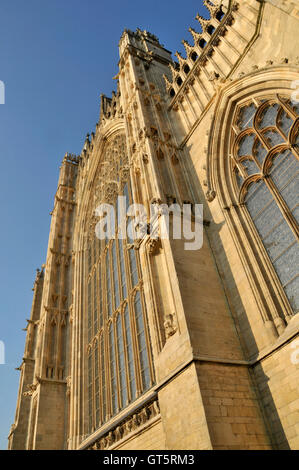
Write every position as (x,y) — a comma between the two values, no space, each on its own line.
(170,325)
(210,195)
(145,158)
(31,388)
(140,418)
(153,246)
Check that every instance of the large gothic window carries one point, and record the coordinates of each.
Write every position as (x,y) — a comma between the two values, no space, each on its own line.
(118,354)
(265,168)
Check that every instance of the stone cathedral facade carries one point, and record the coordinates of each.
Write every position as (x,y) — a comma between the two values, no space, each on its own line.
(142,344)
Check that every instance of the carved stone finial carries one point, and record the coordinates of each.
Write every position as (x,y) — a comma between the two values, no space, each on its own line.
(203,22)
(167,82)
(211,7)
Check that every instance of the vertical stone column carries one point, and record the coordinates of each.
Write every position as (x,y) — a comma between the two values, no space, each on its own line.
(18,434)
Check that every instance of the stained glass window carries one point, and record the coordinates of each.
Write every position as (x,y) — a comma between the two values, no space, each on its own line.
(266,171)
(119,360)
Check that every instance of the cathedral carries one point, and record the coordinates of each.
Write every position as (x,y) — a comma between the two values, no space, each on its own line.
(138,343)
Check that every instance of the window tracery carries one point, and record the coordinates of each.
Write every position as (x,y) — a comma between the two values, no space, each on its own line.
(119,357)
(265,168)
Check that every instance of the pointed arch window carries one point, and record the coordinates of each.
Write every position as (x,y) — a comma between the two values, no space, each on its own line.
(265,166)
(119,363)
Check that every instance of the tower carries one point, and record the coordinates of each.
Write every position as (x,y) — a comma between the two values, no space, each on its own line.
(140,342)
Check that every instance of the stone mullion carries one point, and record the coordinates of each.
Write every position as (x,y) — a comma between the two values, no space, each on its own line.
(113,280)
(116,241)
(105,299)
(106,336)
(107,372)
(100,293)
(294,149)
(112,292)
(101,365)
(96,298)
(282,205)
(147,337)
(130,288)
(262,139)
(117,368)
(239,166)
(123,328)
(295,152)
(135,344)
(92,302)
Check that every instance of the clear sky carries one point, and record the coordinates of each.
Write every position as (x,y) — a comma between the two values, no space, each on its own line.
(56,57)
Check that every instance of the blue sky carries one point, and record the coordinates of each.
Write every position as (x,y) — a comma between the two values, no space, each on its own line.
(56,57)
